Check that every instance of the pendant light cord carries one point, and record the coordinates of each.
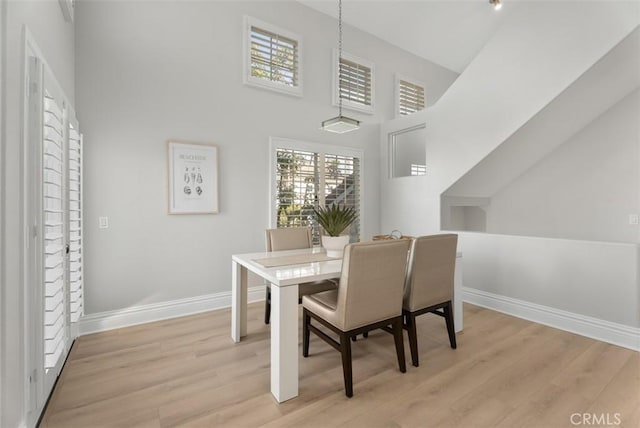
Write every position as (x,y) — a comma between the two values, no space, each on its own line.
(339,57)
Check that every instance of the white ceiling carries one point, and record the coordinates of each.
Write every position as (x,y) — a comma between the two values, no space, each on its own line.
(449,33)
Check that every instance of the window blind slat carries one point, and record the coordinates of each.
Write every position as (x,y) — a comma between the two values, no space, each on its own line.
(274,57)
(411,98)
(354,82)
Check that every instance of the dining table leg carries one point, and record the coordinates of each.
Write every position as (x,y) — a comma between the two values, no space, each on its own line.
(238,301)
(284,342)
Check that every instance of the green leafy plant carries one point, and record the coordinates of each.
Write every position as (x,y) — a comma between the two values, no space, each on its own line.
(335,218)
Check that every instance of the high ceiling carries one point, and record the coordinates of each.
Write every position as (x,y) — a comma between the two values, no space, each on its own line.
(449,33)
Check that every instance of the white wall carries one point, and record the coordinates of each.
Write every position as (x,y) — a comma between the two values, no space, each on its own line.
(148,72)
(585,189)
(3,88)
(55,38)
(602,86)
(595,279)
(534,56)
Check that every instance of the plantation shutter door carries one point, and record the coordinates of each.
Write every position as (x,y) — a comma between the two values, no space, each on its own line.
(306,179)
(342,186)
(75,227)
(53,230)
(297,183)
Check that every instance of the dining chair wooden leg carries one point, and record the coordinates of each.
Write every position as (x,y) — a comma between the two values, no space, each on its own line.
(448,316)
(345,350)
(398,339)
(267,306)
(410,321)
(306,320)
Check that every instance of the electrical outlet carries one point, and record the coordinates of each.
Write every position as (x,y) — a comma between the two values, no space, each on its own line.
(103,222)
(633,219)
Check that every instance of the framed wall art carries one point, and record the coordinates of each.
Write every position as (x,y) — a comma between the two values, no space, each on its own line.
(193,178)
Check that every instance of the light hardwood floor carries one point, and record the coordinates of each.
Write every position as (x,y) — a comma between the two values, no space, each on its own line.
(506,372)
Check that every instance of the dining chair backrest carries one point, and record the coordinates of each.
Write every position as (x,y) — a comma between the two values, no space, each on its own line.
(372,281)
(431,270)
(290,238)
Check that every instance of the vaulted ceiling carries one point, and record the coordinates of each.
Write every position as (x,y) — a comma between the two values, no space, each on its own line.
(449,33)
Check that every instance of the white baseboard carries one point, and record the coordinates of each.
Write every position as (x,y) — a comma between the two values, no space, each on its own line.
(142,314)
(605,331)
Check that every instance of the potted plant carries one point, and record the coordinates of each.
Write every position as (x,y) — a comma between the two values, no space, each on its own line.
(334,220)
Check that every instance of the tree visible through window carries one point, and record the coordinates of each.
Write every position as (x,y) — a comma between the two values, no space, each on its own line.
(272,57)
(307,179)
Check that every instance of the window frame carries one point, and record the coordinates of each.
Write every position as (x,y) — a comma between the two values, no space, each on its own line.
(398,78)
(257,82)
(276,143)
(370,109)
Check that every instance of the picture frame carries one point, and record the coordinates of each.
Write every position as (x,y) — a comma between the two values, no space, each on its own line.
(192,172)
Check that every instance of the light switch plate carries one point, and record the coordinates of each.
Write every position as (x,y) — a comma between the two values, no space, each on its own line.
(103,222)
(633,219)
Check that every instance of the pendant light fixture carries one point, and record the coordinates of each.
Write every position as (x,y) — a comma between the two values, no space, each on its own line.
(340,124)
(496,4)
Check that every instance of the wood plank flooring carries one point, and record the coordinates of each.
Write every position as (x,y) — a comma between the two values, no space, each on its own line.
(506,372)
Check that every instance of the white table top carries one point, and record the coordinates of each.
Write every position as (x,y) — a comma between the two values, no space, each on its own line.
(282,276)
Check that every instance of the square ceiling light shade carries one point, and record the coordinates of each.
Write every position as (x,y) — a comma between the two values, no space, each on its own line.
(340,124)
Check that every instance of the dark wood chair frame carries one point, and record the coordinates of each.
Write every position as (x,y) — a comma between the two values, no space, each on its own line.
(410,326)
(345,337)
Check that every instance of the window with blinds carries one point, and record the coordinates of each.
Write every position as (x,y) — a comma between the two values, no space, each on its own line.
(54,231)
(272,57)
(307,179)
(76,289)
(410,97)
(354,83)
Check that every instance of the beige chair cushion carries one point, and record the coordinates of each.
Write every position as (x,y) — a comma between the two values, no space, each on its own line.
(371,285)
(431,270)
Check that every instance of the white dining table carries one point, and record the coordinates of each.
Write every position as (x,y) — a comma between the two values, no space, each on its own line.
(310,265)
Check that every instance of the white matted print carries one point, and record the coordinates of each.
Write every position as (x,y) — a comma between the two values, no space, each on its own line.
(193,178)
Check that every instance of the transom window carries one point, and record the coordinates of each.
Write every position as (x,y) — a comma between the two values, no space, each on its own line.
(354,83)
(272,57)
(306,178)
(417,169)
(409,96)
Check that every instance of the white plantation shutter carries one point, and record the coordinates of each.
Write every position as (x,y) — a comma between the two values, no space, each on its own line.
(53,230)
(272,57)
(76,277)
(354,83)
(342,185)
(305,179)
(410,97)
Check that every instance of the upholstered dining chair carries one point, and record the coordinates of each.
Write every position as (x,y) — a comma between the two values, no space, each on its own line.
(292,238)
(429,285)
(369,296)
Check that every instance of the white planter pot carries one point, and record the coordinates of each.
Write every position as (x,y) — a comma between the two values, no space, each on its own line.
(335,245)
